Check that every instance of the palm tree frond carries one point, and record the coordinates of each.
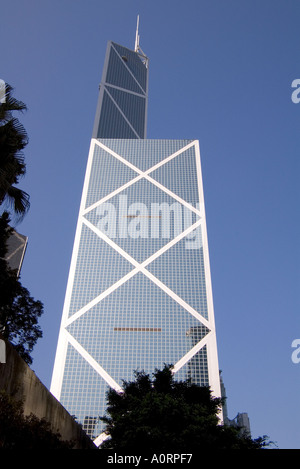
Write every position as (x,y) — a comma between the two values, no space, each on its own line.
(10,104)
(13,139)
(18,200)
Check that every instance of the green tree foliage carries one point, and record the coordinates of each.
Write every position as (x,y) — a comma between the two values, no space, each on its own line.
(165,415)
(13,139)
(18,431)
(19,312)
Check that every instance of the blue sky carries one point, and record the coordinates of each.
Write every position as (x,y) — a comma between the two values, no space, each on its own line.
(221,72)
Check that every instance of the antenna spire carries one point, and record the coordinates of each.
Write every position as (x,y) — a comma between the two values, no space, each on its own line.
(137,48)
(137,37)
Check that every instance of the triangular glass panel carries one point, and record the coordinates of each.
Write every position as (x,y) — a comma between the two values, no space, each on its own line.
(116,126)
(93,272)
(82,393)
(107,174)
(118,74)
(132,106)
(184,260)
(179,175)
(196,369)
(134,63)
(144,153)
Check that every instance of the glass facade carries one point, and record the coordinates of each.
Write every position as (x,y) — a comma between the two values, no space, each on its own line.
(122,105)
(139,292)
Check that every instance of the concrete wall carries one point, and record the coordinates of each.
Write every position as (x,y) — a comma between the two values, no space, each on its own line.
(17,379)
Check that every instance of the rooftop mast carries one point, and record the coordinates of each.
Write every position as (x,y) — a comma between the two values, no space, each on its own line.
(137,48)
(137,37)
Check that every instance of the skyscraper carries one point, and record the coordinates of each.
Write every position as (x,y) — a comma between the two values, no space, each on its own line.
(139,290)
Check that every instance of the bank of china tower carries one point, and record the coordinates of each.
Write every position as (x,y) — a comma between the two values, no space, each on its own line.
(139,289)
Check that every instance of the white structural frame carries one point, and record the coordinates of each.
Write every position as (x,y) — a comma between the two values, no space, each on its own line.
(66,338)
